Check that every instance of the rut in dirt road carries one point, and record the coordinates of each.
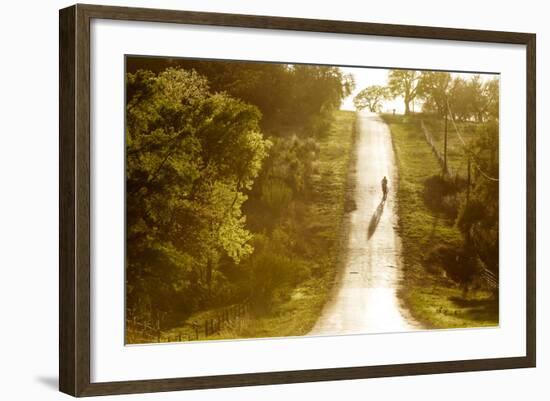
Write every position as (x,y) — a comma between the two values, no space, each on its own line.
(365,296)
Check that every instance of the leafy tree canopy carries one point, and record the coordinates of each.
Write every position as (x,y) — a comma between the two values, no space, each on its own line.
(371,98)
(404,83)
(433,87)
(191,155)
(294,99)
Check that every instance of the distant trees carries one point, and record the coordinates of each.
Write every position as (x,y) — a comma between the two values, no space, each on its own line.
(433,88)
(371,98)
(491,89)
(404,83)
(459,98)
(475,99)
(469,99)
(293,99)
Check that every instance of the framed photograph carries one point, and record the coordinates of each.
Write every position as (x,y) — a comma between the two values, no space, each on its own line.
(250,200)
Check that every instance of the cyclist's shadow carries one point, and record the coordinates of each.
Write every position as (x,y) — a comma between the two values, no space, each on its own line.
(375,219)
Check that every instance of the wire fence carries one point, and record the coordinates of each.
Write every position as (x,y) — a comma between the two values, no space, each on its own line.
(467,150)
(230,317)
(488,277)
(433,145)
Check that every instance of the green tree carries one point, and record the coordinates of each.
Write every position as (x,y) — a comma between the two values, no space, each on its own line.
(478,218)
(474,99)
(491,90)
(433,87)
(404,83)
(371,98)
(293,99)
(191,157)
(477,100)
(459,99)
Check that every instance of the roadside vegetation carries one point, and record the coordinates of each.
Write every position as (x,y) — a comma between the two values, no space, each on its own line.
(448,213)
(236,180)
(312,250)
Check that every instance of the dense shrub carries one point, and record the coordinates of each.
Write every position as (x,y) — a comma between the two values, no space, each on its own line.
(478,217)
(461,265)
(442,195)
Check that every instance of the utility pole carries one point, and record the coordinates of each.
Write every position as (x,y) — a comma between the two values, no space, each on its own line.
(468,231)
(445,143)
(469,181)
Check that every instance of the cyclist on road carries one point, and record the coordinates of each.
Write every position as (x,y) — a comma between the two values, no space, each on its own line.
(385,187)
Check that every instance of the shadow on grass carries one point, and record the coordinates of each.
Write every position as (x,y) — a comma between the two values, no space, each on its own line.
(434,227)
(481,310)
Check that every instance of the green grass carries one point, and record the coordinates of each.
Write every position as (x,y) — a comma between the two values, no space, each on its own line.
(456,157)
(322,232)
(442,306)
(294,317)
(325,216)
(431,298)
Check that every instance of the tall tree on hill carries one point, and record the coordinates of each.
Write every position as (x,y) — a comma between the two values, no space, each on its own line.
(459,99)
(433,87)
(480,99)
(404,83)
(371,98)
(491,90)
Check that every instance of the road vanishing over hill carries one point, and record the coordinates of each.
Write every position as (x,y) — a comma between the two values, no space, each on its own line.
(365,294)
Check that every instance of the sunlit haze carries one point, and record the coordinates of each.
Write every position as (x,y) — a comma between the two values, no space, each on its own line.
(365,77)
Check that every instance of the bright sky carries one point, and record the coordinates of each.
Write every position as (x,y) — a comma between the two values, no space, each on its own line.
(379,76)
(366,77)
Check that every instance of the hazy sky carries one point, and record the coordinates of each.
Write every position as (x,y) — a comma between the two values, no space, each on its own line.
(366,77)
(379,76)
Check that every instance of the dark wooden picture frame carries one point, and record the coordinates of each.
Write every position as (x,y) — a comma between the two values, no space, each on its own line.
(74,204)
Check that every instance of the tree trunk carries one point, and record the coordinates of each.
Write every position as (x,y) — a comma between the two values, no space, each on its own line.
(407,108)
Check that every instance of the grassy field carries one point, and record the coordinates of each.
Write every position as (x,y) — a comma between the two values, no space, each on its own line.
(457,160)
(432,299)
(321,231)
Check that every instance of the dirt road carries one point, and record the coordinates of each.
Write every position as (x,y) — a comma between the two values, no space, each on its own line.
(365,296)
